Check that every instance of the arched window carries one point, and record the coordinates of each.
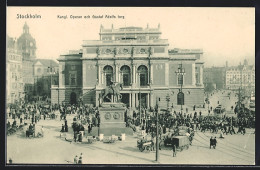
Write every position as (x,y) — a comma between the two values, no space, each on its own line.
(125,73)
(108,72)
(180,98)
(143,75)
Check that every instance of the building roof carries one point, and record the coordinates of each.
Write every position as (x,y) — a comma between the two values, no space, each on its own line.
(10,42)
(185,51)
(239,67)
(47,62)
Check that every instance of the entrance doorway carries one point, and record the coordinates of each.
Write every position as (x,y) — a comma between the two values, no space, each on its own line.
(73,98)
(125,99)
(180,98)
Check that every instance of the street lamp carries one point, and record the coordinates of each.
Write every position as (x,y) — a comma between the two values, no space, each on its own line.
(168,100)
(180,72)
(51,73)
(157,130)
(139,74)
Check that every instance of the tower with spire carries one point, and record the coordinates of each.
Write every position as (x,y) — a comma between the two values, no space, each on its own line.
(26,44)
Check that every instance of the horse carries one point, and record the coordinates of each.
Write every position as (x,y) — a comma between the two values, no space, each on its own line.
(115,90)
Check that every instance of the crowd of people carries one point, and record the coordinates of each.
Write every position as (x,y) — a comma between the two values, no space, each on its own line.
(86,117)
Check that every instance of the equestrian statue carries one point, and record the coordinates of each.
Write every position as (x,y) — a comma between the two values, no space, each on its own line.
(113,89)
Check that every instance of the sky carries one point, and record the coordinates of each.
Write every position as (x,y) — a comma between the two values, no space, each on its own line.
(224,34)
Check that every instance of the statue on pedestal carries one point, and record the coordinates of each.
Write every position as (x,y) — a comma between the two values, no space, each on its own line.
(113,89)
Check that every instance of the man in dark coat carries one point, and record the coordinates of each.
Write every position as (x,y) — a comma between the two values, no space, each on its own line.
(174,150)
(214,142)
(211,142)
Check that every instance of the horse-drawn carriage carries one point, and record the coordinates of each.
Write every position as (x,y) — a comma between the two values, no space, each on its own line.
(30,132)
(181,138)
(181,142)
(144,145)
(109,140)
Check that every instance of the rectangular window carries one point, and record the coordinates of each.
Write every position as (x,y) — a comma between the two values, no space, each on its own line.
(180,79)
(197,78)
(72,79)
(143,81)
(108,79)
(126,81)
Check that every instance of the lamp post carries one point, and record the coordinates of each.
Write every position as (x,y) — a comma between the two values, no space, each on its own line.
(139,75)
(51,73)
(180,72)
(157,130)
(168,100)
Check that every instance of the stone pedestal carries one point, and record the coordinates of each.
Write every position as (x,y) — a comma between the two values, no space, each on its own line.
(112,119)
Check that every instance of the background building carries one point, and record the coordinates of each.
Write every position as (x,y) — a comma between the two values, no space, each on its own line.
(136,57)
(241,76)
(26,45)
(215,76)
(14,80)
(26,74)
(46,72)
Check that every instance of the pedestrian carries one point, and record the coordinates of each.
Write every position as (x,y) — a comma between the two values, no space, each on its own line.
(214,142)
(211,142)
(174,150)
(76,160)
(75,136)
(80,137)
(62,128)
(42,131)
(80,159)
(221,135)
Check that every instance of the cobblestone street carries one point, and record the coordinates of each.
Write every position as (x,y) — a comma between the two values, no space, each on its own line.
(235,149)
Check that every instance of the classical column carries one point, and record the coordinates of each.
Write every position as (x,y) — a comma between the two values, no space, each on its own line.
(104,78)
(97,101)
(201,75)
(136,99)
(84,70)
(193,74)
(130,100)
(167,74)
(100,74)
(134,75)
(148,75)
(148,100)
(151,99)
(62,75)
(117,73)
(151,78)
(133,100)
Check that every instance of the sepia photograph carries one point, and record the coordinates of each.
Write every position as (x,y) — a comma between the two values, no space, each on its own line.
(130,85)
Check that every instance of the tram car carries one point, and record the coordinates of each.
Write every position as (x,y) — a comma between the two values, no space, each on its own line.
(181,142)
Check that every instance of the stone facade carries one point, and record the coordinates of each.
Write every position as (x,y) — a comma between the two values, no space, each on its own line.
(37,74)
(216,76)
(241,76)
(26,45)
(14,79)
(136,57)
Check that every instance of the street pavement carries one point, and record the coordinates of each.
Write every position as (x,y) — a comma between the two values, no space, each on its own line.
(235,149)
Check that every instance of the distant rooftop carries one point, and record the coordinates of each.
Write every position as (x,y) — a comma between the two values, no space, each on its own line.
(47,62)
(185,51)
